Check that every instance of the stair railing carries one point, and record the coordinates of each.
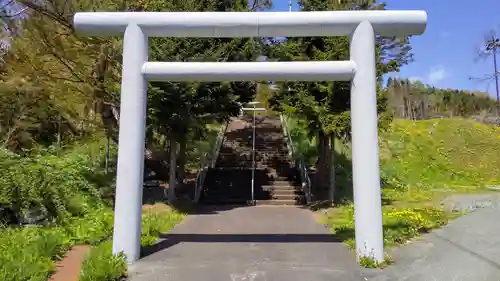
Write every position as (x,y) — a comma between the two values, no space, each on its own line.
(208,161)
(299,160)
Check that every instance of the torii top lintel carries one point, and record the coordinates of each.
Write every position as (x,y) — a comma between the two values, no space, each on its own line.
(251,24)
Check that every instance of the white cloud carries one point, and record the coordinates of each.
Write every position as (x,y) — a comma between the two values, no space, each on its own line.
(437,74)
(415,78)
(445,34)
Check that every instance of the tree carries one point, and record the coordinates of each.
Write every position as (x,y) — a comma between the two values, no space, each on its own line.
(80,76)
(491,48)
(325,106)
(415,100)
(177,108)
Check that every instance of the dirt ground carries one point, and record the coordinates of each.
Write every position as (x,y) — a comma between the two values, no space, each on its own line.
(68,269)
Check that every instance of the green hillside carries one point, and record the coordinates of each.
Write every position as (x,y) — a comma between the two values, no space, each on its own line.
(441,153)
(422,162)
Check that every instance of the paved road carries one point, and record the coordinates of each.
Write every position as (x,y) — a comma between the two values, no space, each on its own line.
(261,243)
(286,244)
(467,249)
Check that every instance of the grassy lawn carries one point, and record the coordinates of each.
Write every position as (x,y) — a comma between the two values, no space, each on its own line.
(422,163)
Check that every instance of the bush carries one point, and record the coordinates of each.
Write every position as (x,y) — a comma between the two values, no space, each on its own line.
(64,188)
(57,186)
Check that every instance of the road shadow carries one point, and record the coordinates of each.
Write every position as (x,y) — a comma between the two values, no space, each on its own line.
(168,240)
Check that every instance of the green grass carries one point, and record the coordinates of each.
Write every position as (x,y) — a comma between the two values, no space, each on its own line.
(102,265)
(70,186)
(422,162)
(30,253)
(441,153)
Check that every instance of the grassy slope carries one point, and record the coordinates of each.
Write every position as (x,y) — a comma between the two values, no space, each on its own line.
(422,162)
(442,153)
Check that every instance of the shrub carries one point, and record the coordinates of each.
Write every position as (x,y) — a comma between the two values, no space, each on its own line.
(102,265)
(58,186)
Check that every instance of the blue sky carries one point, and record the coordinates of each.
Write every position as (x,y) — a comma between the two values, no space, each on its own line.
(445,54)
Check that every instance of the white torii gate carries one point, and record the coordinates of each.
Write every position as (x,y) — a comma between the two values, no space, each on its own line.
(361,26)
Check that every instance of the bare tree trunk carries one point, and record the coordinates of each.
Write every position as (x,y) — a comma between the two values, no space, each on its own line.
(322,169)
(172,180)
(182,160)
(405,108)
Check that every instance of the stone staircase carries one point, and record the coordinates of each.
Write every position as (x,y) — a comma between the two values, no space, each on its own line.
(277,182)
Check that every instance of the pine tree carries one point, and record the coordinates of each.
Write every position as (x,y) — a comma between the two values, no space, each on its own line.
(324,107)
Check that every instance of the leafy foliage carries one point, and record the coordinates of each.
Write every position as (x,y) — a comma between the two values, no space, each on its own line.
(325,105)
(49,182)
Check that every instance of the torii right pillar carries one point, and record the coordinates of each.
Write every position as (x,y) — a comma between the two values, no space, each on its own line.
(365,150)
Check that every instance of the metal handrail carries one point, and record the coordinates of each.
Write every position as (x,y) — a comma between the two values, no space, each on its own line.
(208,161)
(299,161)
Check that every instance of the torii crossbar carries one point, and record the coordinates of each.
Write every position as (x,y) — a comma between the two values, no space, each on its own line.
(361,26)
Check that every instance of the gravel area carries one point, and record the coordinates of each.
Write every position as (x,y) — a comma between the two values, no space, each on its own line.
(472,202)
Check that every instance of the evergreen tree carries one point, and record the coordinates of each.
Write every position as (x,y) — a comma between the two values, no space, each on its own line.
(324,107)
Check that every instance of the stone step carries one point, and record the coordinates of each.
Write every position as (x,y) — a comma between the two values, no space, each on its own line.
(247,191)
(287,197)
(286,192)
(232,201)
(281,183)
(277,202)
(277,188)
(281,179)
(280,187)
